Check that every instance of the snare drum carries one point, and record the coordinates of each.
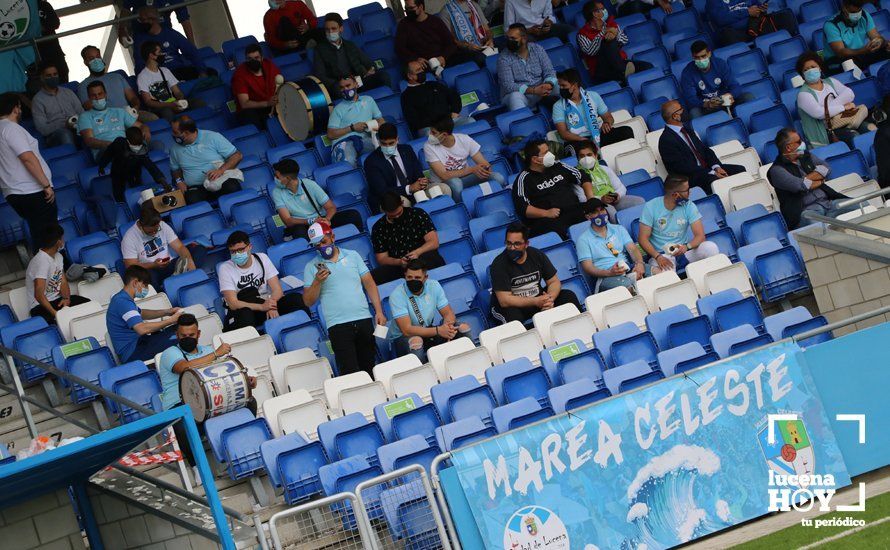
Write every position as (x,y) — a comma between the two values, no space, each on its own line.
(215,389)
(303,107)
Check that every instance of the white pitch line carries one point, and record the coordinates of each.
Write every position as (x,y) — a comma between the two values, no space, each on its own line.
(844,534)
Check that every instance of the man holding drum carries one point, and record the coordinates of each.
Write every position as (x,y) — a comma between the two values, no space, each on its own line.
(352,122)
(254,87)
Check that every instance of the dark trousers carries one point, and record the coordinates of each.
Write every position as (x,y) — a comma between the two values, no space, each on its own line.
(463,56)
(126,169)
(186,73)
(287,31)
(160,274)
(341,218)
(523,314)
(783,20)
(559,30)
(387,273)
(246,317)
(615,135)
(198,194)
(152,344)
(610,65)
(568,217)
(866,60)
(706,180)
(39,310)
(37,213)
(182,438)
(354,346)
(169,113)
(634,6)
(259,117)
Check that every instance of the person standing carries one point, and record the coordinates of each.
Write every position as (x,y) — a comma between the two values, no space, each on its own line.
(53,106)
(25,178)
(50,51)
(45,279)
(339,282)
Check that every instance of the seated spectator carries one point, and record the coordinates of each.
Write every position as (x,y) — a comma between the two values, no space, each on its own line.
(846,119)
(133,7)
(395,167)
(53,106)
(128,156)
(425,38)
(605,183)
(290,25)
(629,7)
(536,17)
(181,57)
(743,20)
(448,155)
(158,87)
(525,73)
(50,51)
(254,88)
(524,281)
(339,279)
(421,315)
(149,242)
(545,195)
(138,334)
(467,22)
(427,101)
(300,202)
(882,145)
(118,91)
(45,280)
(601,44)
(351,123)
(250,286)
(666,221)
(336,56)
(493,10)
(100,125)
(707,81)
(799,180)
(404,233)
(582,115)
(605,251)
(203,162)
(683,152)
(851,34)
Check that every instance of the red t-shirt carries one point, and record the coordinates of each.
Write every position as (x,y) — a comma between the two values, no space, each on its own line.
(296,11)
(257,87)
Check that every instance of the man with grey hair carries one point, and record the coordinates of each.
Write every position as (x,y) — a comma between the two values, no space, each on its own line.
(799,180)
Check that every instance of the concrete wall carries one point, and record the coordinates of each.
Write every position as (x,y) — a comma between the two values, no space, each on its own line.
(46,522)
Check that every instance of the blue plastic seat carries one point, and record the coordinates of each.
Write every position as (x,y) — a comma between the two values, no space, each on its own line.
(462,432)
(695,329)
(630,376)
(623,99)
(640,346)
(271,450)
(284,151)
(644,32)
(37,343)
(456,248)
(520,413)
(657,56)
(480,83)
(728,130)
(108,378)
(745,60)
(174,283)
(241,445)
(576,394)
(780,273)
(686,357)
(406,452)
(504,120)
(7,316)
(851,162)
(737,218)
(777,115)
(702,123)
(343,476)
(738,340)
(299,472)
(659,322)
(463,398)
(517,379)
(350,435)
(804,326)
(411,417)
(742,312)
(481,263)
(200,227)
(140,388)
(666,85)
(589,365)
(790,48)
(604,339)
(648,189)
(550,356)
(749,253)
(817,10)
(88,365)
(500,201)
(776,324)
(864,143)
(726,242)
(252,212)
(769,226)
(462,288)
(745,110)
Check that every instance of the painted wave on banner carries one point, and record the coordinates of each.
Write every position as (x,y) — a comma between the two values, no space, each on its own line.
(654,468)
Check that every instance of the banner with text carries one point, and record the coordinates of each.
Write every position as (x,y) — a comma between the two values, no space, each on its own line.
(656,467)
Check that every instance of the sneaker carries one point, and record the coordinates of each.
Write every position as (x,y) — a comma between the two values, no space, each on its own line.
(629,69)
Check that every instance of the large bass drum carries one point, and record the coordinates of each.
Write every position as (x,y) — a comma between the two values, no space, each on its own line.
(303,107)
(215,389)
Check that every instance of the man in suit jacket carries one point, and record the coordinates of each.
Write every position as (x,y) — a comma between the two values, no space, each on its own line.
(394,167)
(683,152)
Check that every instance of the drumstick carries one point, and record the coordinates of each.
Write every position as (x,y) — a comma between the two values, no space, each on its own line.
(279,80)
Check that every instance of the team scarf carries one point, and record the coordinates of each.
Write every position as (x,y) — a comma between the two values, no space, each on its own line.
(465,29)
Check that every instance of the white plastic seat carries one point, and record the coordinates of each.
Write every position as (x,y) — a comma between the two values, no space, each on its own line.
(682,292)
(526,344)
(304,418)
(543,320)
(637,124)
(17,300)
(652,140)
(489,338)
(764,169)
(647,286)
(235,336)
(722,186)
(210,326)
(632,310)
(406,374)
(579,327)
(696,271)
(295,404)
(609,152)
(733,276)
(847,216)
(263,390)
(853,185)
(595,303)
(473,362)
(634,160)
(158,300)
(745,157)
(309,376)
(254,354)
(279,363)
(727,148)
(756,192)
(90,325)
(101,290)
(354,392)
(67,314)
(437,355)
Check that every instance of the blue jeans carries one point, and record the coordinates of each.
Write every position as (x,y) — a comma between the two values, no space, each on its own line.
(344,151)
(62,136)
(518,100)
(459,121)
(457,184)
(834,211)
(608,283)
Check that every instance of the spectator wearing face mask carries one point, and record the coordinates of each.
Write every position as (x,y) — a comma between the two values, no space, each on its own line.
(118,92)
(582,115)
(601,43)
(158,87)
(606,251)
(150,242)
(605,183)
(335,56)
(52,108)
(537,17)
(404,233)
(102,124)
(425,38)
(851,34)
(525,73)
(45,278)
(138,334)
(449,156)
(255,87)
(181,56)
(290,25)
(707,83)
(352,122)
(426,101)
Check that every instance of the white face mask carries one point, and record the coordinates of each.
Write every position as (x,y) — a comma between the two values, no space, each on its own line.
(587,162)
(433,140)
(549,159)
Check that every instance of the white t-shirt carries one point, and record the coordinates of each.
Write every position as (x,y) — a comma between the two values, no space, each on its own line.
(232,277)
(44,266)
(138,246)
(454,157)
(14,177)
(153,83)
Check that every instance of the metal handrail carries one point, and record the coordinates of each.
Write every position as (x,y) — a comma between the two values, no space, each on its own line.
(855,200)
(812,215)
(841,324)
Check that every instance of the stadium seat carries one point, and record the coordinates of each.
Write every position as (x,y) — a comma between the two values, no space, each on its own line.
(354,392)
(640,346)
(405,375)
(343,476)
(742,312)
(140,388)
(462,398)
(298,470)
(604,339)
(575,395)
(579,327)
(659,323)
(451,437)
(517,379)
(89,366)
(272,450)
(633,310)
(630,376)
(686,357)
(350,435)
(519,413)
(405,452)
(738,340)
(707,305)
(174,283)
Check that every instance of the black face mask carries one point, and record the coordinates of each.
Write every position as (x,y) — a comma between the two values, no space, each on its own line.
(254,65)
(415,286)
(513,45)
(188,344)
(412,14)
(421,78)
(565,93)
(514,255)
(162,59)
(139,26)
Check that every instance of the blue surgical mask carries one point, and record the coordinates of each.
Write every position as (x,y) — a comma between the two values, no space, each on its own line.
(349,94)
(326,251)
(333,36)
(599,221)
(855,17)
(100,104)
(96,65)
(388,150)
(703,64)
(240,258)
(812,75)
(141,294)
(801,148)
(279,183)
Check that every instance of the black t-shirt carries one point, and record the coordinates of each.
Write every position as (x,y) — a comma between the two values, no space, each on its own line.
(402,235)
(523,279)
(552,188)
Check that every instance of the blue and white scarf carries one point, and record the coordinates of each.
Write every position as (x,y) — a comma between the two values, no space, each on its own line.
(464,30)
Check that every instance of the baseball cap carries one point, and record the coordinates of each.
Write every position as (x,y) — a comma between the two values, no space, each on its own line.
(317,231)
